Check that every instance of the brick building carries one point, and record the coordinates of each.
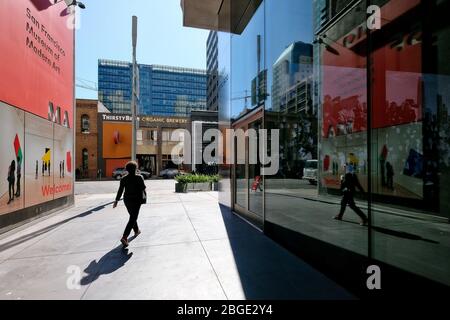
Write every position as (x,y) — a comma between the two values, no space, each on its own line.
(86,149)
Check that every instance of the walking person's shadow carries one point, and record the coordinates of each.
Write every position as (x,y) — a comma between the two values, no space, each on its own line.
(109,263)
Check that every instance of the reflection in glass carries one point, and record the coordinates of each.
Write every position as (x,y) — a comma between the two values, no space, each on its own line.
(410,139)
(248,61)
(310,85)
(254,171)
(241,180)
(312,81)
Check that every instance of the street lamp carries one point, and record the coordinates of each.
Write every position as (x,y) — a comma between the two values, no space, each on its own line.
(321,40)
(74,3)
(134,89)
(70,3)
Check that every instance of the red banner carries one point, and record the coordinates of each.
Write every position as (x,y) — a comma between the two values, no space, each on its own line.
(36,68)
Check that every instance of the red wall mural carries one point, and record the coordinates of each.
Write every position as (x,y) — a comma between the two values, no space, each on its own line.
(36,103)
(36,68)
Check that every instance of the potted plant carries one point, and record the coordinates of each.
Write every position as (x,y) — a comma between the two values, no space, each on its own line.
(181,187)
(215,182)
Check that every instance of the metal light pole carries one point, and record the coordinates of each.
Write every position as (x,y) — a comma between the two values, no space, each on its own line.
(134,90)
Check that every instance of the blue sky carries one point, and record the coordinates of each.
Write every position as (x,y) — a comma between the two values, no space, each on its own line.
(105,32)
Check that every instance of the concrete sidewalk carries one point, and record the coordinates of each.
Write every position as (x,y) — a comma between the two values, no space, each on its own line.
(190,248)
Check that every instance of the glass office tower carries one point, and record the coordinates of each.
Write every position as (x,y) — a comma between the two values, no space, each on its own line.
(163,90)
(346,96)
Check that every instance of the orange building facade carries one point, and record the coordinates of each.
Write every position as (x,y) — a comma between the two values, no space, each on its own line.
(155,140)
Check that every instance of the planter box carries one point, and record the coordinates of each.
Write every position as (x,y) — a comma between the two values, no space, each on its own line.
(205,186)
(180,187)
(191,187)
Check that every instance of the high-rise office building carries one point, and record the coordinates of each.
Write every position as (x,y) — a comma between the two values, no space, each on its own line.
(212,67)
(163,90)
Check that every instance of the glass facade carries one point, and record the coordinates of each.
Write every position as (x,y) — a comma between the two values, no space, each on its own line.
(355,106)
(163,90)
(115,85)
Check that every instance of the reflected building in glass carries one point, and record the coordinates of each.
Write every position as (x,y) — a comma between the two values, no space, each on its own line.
(350,104)
(293,67)
(163,90)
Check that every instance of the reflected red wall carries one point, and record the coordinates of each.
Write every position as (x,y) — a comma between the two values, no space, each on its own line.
(397,78)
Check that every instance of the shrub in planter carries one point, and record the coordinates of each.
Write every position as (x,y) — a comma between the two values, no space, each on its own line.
(199,182)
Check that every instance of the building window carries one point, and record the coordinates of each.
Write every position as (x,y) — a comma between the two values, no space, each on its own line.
(85,123)
(152,135)
(85,157)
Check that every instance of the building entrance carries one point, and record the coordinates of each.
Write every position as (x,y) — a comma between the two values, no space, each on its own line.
(147,163)
(248,184)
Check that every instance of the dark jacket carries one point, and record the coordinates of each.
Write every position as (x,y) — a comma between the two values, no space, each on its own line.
(11,173)
(133,185)
(350,182)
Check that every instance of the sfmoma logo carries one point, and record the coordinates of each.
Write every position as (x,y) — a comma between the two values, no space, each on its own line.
(54,115)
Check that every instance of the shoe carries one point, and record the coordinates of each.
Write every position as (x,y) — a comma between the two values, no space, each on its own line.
(137,233)
(337,218)
(124,242)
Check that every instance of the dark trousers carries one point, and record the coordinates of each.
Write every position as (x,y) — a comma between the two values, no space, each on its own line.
(348,199)
(18,186)
(11,189)
(390,182)
(133,209)
(383,172)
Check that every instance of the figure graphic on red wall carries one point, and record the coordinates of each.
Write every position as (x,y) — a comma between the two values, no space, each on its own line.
(11,180)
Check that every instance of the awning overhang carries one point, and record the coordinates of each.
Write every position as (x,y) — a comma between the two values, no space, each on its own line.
(219,15)
(202,14)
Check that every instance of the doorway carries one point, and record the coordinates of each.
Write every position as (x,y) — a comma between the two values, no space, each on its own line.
(248,183)
(147,163)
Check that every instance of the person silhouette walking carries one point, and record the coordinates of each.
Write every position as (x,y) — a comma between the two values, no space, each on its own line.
(349,184)
(389,175)
(134,186)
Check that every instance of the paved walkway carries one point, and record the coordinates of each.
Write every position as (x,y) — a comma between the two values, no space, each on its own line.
(190,248)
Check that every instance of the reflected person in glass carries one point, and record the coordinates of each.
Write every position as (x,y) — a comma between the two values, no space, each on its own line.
(349,183)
